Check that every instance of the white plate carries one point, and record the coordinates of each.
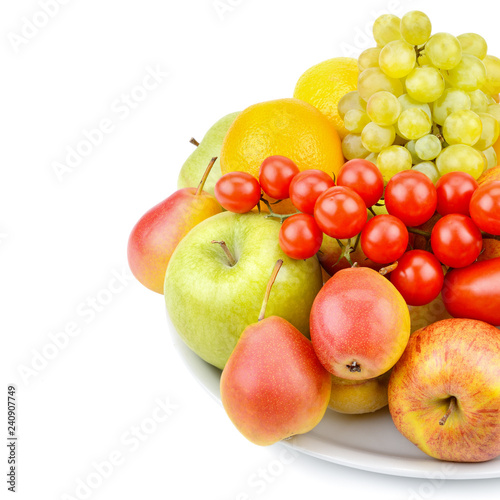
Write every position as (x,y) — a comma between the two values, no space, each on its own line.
(370,442)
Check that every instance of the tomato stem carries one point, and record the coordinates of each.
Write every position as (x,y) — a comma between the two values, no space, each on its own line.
(418,231)
(281,217)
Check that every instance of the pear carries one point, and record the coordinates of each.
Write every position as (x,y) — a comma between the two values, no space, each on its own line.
(273,385)
(210,146)
(158,232)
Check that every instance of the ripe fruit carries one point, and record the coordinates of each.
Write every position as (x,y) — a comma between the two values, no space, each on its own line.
(300,237)
(444,392)
(297,130)
(456,241)
(324,84)
(275,175)
(158,232)
(360,324)
(485,207)
(273,385)
(454,191)
(340,212)
(418,277)
(237,192)
(306,187)
(473,291)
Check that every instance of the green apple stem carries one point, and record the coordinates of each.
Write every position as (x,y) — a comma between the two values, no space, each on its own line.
(205,175)
(229,255)
(194,141)
(270,284)
(451,407)
(388,269)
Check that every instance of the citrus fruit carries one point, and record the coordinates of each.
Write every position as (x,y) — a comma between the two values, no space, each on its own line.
(324,84)
(287,127)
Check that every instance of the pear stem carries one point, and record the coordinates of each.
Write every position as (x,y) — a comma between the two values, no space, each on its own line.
(451,407)
(229,255)
(194,141)
(388,269)
(270,284)
(205,175)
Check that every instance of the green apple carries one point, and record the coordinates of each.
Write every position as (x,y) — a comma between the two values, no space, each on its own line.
(211,300)
(210,146)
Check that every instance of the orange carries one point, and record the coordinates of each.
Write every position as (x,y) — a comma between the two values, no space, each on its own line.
(324,84)
(286,127)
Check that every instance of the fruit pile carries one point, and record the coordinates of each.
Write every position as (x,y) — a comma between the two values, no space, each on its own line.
(366,212)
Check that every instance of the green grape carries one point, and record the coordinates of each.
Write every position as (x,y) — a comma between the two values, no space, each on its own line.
(373,80)
(473,44)
(425,84)
(407,102)
(369,58)
(414,123)
(428,147)
(352,147)
(490,157)
(462,158)
(410,146)
(383,108)
(392,160)
(479,101)
(415,27)
(349,101)
(494,110)
(373,157)
(492,84)
(468,75)
(452,100)
(462,127)
(386,29)
(375,138)
(429,169)
(490,132)
(397,59)
(443,50)
(355,120)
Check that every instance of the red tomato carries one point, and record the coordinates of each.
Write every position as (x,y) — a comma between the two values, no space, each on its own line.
(474,291)
(300,237)
(418,277)
(363,177)
(456,241)
(237,192)
(454,191)
(384,239)
(411,197)
(276,174)
(485,207)
(340,212)
(306,187)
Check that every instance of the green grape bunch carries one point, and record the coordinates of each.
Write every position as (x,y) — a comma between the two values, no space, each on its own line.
(424,101)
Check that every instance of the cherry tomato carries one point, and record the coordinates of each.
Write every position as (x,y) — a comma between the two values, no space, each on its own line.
(411,197)
(363,177)
(300,237)
(485,207)
(237,192)
(419,277)
(454,191)
(384,239)
(473,291)
(306,187)
(276,174)
(456,241)
(340,212)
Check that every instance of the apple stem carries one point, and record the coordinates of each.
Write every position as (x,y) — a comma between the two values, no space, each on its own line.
(194,141)
(451,407)
(205,175)
(388,269)
(270,284)
(230,258)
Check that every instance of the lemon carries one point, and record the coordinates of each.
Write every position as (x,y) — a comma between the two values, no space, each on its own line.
(324,84)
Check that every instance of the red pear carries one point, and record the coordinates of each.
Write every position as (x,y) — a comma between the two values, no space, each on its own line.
(156,235)
(273,385)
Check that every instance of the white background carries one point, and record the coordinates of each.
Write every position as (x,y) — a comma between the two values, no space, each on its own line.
(62,241)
